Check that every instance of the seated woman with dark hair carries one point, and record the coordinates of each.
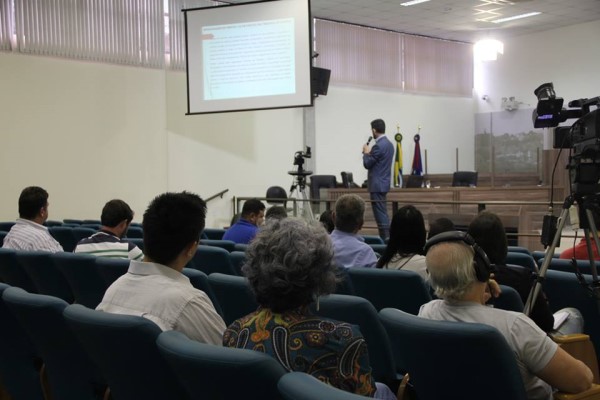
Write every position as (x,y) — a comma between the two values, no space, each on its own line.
(288,267)
(407,239)
(488,232)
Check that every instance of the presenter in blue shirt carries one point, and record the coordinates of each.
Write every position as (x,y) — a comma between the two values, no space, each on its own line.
(378,160)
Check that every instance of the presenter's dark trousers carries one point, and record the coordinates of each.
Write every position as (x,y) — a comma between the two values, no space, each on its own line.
(380,211)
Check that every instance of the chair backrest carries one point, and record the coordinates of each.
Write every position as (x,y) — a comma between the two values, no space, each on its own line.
(509,299)
(373,239)
(2,236)
(522,259)
(18,371)
(453,360)
(44,274)
(111,269)
(210,259)
(414,181)
(214,233)
(301,386)
(564,290)
(519,249)
(348,180)
(73,221)
(91,221)
(464,178)
(71,374)
(135,232)
(275,194)
(560,264)
(238,258)
(214,372)
(6,226)
(378,248)
(233,295)
(318,182)
(241,246)
(228,245)
(82,232)
(65,236)
(85,281)
(358,311)
(12,273)
(199,280)
(404,290)
(139,242)
(124,348)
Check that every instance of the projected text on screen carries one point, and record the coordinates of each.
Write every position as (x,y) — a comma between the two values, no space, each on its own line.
(249,59)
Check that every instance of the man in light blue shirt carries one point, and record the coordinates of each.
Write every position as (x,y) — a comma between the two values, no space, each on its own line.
(349,248)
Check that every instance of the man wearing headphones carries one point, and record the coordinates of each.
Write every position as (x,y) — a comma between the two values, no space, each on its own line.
(459,271)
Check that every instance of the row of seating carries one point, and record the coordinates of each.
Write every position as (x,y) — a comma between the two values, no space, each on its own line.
(84,351)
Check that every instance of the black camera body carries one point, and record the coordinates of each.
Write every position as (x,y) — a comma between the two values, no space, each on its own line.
(583,136)
(299,156)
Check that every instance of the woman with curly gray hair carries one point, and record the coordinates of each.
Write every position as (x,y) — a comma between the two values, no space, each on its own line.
(288,266)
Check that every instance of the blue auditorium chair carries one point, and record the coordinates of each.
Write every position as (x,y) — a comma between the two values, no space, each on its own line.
(139,242)
(44,274)
(405,290)
(83,232)
(234,295)
(522,259)
(111,269)
(12,273)
(453,360)
(358,311)
(214,372)
(519,249)
(72,221)
(238,258)
(559,264)
(65,236)
(85,281)
(228,245)
(301,386)
(210,259)
(373,239)
(135,232)
(5,226)
(509,299)
(71,374)
(19,362)
(2,236)
(124,349)
(378,248)
(214,233)
(199,280)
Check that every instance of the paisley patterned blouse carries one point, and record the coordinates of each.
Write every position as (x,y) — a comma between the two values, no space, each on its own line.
(331,351)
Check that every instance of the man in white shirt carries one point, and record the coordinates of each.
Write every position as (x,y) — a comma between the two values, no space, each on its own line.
(459,276)
(29,233)
(155,288)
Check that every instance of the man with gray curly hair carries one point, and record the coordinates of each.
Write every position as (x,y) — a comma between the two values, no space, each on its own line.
(349,248)
(542,363)
(288,267)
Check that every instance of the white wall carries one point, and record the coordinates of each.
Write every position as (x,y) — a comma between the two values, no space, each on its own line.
(567,56)
(90,132)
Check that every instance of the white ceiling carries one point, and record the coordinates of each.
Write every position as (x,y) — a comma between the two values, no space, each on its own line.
(463,20)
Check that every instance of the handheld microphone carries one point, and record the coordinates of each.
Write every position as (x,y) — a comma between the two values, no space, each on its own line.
(369,140)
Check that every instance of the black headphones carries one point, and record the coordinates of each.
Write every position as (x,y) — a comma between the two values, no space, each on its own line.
(481,263)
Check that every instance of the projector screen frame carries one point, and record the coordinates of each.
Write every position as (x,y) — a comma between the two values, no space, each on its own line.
(304,102)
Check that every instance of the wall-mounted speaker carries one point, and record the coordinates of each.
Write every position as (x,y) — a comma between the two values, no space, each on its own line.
(320,80)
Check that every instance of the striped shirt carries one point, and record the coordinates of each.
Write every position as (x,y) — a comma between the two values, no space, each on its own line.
(105,244)
(30,236)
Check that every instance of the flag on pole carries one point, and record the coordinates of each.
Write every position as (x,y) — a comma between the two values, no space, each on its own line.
(417,165)
(398,160)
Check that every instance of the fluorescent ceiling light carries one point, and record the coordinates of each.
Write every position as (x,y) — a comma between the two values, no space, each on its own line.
(413,2)
(531,14)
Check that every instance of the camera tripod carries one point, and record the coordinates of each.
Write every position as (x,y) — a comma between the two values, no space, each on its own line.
(299,188)
(585,203)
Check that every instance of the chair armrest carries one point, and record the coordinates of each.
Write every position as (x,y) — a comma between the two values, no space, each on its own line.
(592,393)
(580,347)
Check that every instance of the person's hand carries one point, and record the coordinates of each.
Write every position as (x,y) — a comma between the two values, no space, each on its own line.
(492,290)
(366,149)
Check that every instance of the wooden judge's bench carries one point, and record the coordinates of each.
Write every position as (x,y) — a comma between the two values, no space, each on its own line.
(521,207)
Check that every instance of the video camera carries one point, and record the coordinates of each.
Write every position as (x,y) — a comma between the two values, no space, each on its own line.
(299,157)
(583,136)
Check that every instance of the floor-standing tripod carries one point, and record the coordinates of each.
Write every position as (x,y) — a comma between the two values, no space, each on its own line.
(585,204)
(299,188)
